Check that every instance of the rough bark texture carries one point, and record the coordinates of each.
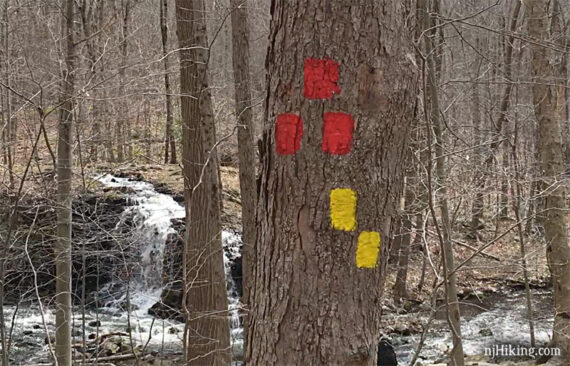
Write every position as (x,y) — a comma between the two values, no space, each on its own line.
(62,248)
(246,153)
(206,337)
(310,302)
(169,142)
(552,167)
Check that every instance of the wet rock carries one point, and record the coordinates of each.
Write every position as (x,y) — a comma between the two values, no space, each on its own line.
(236,271)
(27,332)
(94,323)
(76,333)
(386,354)
(169,305)
(402,329)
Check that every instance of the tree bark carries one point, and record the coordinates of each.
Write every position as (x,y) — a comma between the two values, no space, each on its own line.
(206,336)
(246,152)
(64,198)
(552,167)
(169,142)
(313,299)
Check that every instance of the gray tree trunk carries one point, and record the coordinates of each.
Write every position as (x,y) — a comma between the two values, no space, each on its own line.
(62,247)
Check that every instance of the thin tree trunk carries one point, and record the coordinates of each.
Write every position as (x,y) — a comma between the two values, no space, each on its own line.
(400,291)
(319,271)
(169,142)
(206,336)
(450,277)
(478,204)
(121,124)
(552,166)
(9,140)
(64,176)
(92,21)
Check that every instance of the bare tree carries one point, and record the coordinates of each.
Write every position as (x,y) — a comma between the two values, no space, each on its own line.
(435,127)
(169,141)
(544,94)
(64,195)
(206,337)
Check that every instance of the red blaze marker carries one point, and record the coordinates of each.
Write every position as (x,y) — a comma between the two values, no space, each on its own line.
(321,78)
(288,133)
(337,133)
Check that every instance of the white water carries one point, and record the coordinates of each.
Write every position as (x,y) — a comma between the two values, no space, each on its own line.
(153,213)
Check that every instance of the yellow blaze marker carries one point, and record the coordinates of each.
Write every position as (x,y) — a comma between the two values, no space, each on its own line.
(343,209)
(368,249)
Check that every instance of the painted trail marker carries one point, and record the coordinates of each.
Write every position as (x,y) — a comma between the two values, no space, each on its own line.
(288,133)
(343,209)
(367,249)
(321,78)
(337,133)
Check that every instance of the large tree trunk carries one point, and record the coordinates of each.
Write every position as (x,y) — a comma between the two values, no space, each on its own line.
(328,190)
(169,142)
(64,176)
(206,337)
(246,153)
(552,167)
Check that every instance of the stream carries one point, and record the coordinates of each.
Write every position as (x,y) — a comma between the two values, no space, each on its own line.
(490,320)
(495,319)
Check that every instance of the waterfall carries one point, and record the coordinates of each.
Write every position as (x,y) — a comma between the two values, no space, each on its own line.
(152,214)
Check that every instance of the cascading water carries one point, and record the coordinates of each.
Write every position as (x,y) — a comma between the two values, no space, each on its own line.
(152,213)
